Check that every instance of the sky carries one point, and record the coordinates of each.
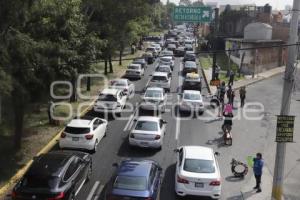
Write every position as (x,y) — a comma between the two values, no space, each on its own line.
(276,4)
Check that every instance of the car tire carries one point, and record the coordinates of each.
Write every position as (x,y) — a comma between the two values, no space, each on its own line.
(118,114)
(200,112)
(95,146)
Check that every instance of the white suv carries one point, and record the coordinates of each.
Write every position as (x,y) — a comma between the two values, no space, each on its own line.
(160,79)
(111,101)
(197,172)
(83,134)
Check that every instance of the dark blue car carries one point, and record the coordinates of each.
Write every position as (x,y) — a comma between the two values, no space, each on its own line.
(135,180)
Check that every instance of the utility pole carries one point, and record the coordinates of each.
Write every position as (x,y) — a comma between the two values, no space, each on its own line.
(289,75)
(215,43)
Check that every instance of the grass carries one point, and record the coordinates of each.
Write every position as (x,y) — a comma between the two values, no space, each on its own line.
(38,132)
(205,61)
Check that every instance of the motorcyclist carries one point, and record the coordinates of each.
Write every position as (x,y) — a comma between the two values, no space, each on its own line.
(228,115)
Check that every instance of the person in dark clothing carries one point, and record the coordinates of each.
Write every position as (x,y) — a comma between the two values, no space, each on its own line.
(231,77)
(217,72)
(242,96)
(229,93)
(231,98)
(222,92)
(258,164)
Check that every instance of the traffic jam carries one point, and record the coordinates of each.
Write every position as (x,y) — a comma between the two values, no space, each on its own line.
(64,171)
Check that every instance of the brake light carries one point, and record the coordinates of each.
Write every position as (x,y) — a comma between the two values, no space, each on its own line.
(157,137)
(215,183)
(61,195)
(13,194)
(63,135)
(182,180)
(149,198)
(89,136)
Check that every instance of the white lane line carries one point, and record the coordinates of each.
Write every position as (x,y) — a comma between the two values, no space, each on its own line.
(79,188)
(98,193)
(129,122)
(94,188)
(177,133)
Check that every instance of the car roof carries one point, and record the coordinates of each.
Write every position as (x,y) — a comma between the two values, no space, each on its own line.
(79,123)
(190,52)
(110,91)
(50,164)
(148,118)
(135,168)
(167,57)
(198,152)
(160,74)
(119,79)
(191,92)
(192,76)
(155,88)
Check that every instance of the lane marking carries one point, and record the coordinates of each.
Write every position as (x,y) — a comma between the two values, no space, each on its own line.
(90,196)
(79,188)
(129,122)
(98,193)
(177,132)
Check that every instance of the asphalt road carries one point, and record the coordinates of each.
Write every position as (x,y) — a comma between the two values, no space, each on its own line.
(249,137)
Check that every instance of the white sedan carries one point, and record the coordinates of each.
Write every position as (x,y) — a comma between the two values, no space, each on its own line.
(123,84)
(155,99)
(191,102)
(83,134)
(134,71)
(197,172)
(148,132)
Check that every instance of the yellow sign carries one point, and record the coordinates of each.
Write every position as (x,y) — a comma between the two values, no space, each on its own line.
(285,128)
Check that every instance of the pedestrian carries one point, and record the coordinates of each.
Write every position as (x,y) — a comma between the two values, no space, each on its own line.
(229,93)
(231,77)
(50,112)
(242,96)
(258,164)
(231,100)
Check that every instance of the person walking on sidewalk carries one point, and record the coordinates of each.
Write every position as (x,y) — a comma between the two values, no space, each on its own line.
(229,93)
(258,164)
(231,98)
(242,96)
(231,78)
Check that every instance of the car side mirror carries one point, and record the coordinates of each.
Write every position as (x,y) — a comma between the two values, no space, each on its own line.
(115,165)
(217,153)
(164,121)
(176,150)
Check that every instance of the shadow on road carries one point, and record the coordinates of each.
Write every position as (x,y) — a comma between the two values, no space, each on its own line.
(233,179)
(167,190)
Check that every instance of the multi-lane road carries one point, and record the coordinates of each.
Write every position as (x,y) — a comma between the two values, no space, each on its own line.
(249,137)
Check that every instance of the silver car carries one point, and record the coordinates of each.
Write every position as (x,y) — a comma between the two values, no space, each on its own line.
(191,102)
(160,79)
(154,99)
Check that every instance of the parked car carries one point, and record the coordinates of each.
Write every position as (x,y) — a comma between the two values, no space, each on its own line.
(197,172)
(148,56)
(191,101)
(160,79)
(134,71)
(189,56)
(189,67)
(111,101)
(148,132)
(141,61)
(153,51)
(123,84)
(54,175)
(164,68)
(135,180)
(155,99)
(167,60)
(179,52)
(83,134)
(192,81)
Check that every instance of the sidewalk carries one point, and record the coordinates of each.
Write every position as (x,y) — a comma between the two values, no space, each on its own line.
(247,81)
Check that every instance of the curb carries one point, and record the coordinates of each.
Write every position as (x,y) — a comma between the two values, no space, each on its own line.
(45,149)
(206,82)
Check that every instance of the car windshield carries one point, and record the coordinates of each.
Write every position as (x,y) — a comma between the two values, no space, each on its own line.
(133,67)
(131,183)
(153,94)
(146,126)
(150,49)
(77,130)
(191,96)
(37,181)
(190,64)
(199,166)
(107,97)
(159,78)
(165,59)
(118,83)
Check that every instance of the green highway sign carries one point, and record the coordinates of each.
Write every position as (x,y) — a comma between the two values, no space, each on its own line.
(192,14)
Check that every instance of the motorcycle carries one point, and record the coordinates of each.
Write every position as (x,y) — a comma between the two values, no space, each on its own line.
(238,168)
